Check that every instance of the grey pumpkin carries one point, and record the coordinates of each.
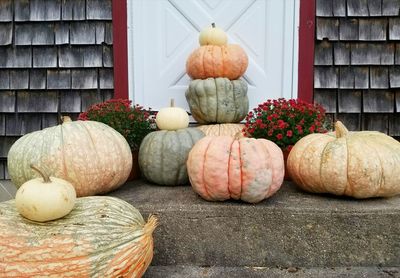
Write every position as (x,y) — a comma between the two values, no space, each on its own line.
(163,155)
(218,100)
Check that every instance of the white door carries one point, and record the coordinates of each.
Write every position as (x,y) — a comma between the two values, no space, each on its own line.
(162,34)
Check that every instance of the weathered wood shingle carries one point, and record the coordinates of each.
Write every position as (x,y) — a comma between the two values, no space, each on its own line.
(21,10)
(45,10)
(372,29)
(58,79)
(19,79)
(42,101)
(21,124)
(83,33)
(381,101)
(73,10)
(7,101)
(391,7)
(327,29)
(98,9)
(394,28)
(323,53)
(349,101)
(61,30)
(84,79)
(6,11)
(4,79)
(357,8)
(379,77)
(5,33)
(70,102)
(106,78)
(349,29)
(37,79)
(45,57)
(15,57)
(395,77)
(326,77)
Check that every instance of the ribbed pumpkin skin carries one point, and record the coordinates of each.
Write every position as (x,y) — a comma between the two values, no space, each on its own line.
(91,155)
(222,167)
(358,164)
(228,61)
(163,155)
(221,129)
(218,100)
(101,237)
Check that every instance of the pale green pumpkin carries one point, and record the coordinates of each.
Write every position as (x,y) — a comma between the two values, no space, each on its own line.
(163,155)
(101,237)
(218,100)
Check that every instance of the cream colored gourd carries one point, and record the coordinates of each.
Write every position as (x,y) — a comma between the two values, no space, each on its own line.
(358,164)
(172,118)
(223,167)
(44,199)
(101,237)
(213,35)
(90,155)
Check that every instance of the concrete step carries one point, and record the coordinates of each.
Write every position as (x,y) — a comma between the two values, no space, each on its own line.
(291,229)
(258,272)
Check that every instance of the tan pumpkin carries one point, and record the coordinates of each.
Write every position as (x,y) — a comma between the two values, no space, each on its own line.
(44,199)
(228,61)
(221,129)
(223,167)
(172,117)
(101,237)
(218,100)
(213,35)
(359,164)
(91,155)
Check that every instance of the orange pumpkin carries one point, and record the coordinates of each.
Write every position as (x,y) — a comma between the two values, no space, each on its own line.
(228,61)
(223,167)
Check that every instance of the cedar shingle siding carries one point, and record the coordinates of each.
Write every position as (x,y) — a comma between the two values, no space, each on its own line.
(357,62)
(55,58)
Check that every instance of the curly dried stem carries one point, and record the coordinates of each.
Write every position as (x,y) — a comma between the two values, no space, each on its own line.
(46,178)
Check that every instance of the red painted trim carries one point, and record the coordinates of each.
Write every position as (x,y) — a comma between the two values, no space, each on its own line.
(306,50)
(120,48)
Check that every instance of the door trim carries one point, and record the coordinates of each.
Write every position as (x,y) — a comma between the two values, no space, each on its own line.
(305,58)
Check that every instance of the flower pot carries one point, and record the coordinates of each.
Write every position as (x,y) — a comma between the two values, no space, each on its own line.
(135,172)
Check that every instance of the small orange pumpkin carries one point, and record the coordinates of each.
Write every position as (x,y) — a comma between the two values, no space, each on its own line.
(223,167)
(228,61)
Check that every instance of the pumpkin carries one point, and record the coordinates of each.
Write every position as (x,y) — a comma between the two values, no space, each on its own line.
(221,129)
(213,35)
(163,155)
(228,61)
(91,155)
(359,164)
(45,199)
(101,237)
(223,167)
(218,100)
(172,118)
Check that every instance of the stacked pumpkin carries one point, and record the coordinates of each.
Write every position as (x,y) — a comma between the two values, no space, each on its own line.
(217,95)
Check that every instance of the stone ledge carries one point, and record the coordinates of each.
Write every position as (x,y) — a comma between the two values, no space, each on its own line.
(291,229)
(257,272)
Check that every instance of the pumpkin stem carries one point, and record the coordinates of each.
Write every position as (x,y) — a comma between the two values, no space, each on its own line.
(172,103)
(213,25)
(150,225)
(340,129)
(66,119)
(45,177)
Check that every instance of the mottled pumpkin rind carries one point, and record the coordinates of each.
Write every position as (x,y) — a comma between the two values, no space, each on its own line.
(361,164)
(221,129)
(222,167)
(217,100)
(92,156)
(101,237)
(163,155)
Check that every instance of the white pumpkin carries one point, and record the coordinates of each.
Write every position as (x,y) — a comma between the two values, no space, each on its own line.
(44,199)
(213,36)
(172,118)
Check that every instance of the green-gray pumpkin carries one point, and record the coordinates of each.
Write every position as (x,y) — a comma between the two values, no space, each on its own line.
(218,100)
(163,155)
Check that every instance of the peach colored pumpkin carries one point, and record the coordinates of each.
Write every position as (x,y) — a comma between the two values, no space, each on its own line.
(228,61)
(221,129)
(223,167)
(359,164)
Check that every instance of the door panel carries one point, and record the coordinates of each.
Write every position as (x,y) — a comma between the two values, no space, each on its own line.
(163,33)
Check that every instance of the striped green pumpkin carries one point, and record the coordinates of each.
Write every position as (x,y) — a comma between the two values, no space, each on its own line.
(101,237)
